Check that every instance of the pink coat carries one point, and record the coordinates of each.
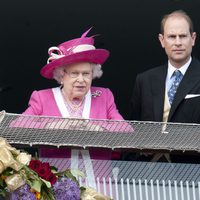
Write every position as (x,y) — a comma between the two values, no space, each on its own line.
(102,107)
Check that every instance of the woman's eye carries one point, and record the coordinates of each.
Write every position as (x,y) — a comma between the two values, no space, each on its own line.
(74,73)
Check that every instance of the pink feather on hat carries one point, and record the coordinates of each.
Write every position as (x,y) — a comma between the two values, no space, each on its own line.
(73,51)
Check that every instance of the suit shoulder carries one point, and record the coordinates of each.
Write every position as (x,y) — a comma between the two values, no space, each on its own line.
(195,62)
(153,71)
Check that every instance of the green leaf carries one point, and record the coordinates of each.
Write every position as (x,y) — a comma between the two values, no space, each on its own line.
(68,174)
(47,194)
(36,185)
(47,183)
(77,173)
(82,189)
(3,193)
(1,182)
(54,169)
(8,171)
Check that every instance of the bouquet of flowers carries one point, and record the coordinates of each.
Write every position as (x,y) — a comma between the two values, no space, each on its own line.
(23,178)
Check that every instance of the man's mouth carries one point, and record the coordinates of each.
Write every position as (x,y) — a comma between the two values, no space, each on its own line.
(178,50)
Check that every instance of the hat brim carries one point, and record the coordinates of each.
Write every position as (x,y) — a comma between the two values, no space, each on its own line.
(97,56)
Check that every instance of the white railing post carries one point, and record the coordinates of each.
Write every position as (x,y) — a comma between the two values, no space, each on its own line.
(122,189)
(152,190)
(193,190)
(134,190)
(182,192)
(146,190)
(158,189)
(128,189)
(98,185)
(110,187)
(140,188)
(188,190)
(164,190)
(170,190)
(116,190)
(175,189)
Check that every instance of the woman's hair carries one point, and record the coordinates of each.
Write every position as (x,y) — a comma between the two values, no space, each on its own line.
(97,72)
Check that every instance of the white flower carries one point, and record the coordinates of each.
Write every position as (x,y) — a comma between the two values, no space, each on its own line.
(91,194)
(24,158)
(1,167)
(14,181)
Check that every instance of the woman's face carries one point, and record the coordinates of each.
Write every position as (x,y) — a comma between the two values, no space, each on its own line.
(77,80)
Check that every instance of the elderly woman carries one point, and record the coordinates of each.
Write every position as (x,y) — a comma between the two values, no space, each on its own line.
(74,64)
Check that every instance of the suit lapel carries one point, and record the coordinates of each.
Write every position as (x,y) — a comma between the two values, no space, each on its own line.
(158,91)
(189,80)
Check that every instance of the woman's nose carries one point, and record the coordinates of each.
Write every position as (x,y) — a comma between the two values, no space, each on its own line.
(80,77)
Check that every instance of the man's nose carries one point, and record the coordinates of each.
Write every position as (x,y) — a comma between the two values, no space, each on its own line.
(178,40)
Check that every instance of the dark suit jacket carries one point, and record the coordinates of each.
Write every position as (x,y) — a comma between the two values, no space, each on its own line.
(149,91)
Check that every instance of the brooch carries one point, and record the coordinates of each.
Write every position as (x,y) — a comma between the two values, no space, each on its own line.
(97,93)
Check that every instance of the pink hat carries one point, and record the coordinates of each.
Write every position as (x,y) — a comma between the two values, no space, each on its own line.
(73,51)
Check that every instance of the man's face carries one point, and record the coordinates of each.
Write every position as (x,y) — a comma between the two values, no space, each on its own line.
(177,40)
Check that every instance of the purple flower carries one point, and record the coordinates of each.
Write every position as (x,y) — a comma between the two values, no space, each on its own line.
(66,189)
(23,193)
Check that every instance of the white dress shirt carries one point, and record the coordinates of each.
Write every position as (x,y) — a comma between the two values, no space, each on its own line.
(171,69)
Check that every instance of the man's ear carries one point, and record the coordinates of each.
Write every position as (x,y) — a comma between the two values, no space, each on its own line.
(161,39)
(194,35)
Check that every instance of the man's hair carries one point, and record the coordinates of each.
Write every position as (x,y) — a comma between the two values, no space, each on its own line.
(179,13)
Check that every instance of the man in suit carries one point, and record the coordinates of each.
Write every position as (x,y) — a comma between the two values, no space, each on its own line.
(150,99)
(158,94)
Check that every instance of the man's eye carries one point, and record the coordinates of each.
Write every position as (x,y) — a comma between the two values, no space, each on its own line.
(183,36)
